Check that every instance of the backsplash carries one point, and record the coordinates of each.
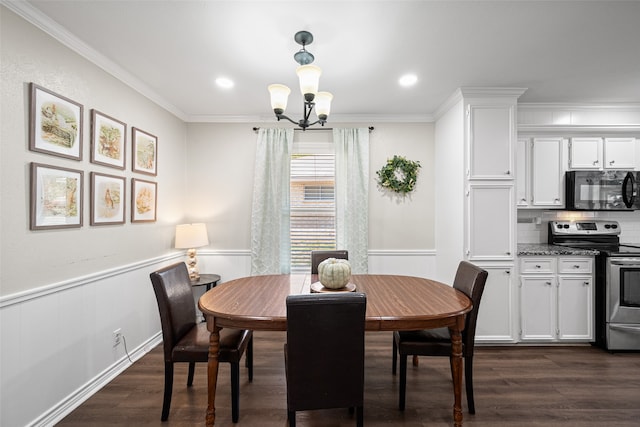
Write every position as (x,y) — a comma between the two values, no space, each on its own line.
(533,224)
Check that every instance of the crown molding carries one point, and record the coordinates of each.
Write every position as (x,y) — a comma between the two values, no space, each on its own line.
(34,16)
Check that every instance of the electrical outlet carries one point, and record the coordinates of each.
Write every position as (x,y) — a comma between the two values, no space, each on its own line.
(117,337)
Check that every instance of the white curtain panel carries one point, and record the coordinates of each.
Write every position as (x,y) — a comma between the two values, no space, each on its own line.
(270,241)
(352,195)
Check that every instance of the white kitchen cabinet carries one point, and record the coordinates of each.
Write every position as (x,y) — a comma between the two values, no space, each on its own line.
(585,153)
(547,173)
(491,141)
(556,299)
(523,173)
(540,174)
(497,308)
(491,227)
(619,153)
(602,153)
(575,308)
(538,308)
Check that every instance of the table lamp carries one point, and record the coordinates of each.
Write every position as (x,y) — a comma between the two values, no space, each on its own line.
(191,236)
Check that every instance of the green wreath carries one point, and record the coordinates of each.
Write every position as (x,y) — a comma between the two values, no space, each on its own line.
(399,175)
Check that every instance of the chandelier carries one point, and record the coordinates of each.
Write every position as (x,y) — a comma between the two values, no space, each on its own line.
(309,76)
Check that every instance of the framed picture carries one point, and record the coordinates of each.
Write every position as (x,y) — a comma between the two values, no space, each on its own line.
(107,199)
(145,152)
(108,140)
(55,124)
(56,197)
(143,200)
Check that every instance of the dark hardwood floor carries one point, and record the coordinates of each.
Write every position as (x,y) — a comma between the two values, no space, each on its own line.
(514,386)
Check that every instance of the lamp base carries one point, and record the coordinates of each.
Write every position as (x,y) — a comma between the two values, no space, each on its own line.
(192,262)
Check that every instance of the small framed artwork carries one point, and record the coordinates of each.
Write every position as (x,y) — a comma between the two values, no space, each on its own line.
(108,140)
(143,200)
(107,199)
(56,197)
(145,152)
(55,124)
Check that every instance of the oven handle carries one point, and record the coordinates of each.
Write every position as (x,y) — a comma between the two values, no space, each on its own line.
(625,261)
(624,327)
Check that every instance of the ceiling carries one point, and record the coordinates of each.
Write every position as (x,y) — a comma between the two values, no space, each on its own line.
(575,52)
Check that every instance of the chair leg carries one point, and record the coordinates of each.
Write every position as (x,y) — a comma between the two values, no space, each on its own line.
(235,392)
(394,357)
(291,416)
(168,388)
(468,381)
(403,381)
(192,368)
(249,359)
(360,416)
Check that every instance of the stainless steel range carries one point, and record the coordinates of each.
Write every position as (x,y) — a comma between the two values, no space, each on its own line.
(617,299)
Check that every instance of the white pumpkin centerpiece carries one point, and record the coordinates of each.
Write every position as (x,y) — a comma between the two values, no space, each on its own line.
(334,273)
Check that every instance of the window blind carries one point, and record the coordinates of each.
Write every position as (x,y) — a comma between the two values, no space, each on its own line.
(312,207)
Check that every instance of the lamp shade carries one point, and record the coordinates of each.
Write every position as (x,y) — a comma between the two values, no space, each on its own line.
(279,96)
(191,236)
(309,76)
(323,104)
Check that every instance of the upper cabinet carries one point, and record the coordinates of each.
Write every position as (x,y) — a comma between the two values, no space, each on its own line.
(602,153)
(540,173)
(491,141)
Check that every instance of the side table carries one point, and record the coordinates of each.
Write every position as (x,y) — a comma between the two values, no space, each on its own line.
(208,280)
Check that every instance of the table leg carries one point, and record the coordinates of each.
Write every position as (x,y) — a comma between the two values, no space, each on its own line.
(456,370)
(212,370)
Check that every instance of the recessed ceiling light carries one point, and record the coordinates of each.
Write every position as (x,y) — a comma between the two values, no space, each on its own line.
(408,80)
(224,82)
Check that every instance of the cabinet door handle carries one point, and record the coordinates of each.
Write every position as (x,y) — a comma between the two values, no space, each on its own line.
(547,283)
(538,266)
(508,253)
(576,266)
(585,283)
(508,173)
(612,162)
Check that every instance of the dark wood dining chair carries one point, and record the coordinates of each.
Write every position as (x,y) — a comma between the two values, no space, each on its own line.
(437,342)
(186,340)
(318,256)
(324,352)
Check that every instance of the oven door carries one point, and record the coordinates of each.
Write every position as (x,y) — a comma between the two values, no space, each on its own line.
(623,303)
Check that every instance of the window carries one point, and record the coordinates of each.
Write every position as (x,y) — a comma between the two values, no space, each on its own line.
(312,203)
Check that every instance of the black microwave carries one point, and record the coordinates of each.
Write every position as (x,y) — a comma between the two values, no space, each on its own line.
(608,190)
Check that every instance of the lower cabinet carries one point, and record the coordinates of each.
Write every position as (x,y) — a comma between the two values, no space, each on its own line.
(556,299)
(497,306)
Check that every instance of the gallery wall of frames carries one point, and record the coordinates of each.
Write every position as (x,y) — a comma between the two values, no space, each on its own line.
(57,193)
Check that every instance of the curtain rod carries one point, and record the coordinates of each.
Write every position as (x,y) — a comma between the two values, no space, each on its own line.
(256,129)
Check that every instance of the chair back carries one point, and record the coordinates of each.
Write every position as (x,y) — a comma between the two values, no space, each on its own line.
(325,350)
(318,256)
(172,287)
(470,279)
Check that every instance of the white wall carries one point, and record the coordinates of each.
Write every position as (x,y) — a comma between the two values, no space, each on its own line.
(449,168)
(64,292)
(220,174)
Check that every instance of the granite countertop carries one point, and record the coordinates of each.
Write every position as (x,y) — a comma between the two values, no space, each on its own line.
(546,249)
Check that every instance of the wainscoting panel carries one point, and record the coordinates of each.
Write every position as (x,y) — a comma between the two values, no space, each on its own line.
(58,339)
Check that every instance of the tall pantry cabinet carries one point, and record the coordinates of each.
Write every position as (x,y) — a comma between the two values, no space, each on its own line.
(475,138)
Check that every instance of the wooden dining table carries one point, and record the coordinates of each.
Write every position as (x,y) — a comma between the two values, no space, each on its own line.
(394,303)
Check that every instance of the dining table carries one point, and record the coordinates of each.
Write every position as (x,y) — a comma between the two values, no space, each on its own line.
(394,303)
